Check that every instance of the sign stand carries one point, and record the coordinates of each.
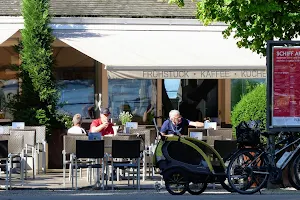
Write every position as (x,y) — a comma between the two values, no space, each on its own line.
(283,92)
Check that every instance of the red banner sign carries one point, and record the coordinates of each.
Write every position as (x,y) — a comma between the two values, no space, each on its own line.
(286,86)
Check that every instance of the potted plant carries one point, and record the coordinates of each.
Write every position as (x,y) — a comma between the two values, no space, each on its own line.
(125,117)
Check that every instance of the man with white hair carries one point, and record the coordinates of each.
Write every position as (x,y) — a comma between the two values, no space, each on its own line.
(76,128)
(176,125)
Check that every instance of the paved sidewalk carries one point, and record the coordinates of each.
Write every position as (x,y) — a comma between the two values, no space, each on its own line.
(53,181)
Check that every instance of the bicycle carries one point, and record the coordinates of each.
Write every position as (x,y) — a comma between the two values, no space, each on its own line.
(254,166)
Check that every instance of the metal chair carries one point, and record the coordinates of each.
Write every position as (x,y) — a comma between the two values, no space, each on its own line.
(128,149)
(40,132)
(147,164)
(15,144)
(144,133)
(225,147)
(69,149)
(89,149)
(40,143)
(108,147)
(29,147)
(4,159)
(226,133)
(211,139)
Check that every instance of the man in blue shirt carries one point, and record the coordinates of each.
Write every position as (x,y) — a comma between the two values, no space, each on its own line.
(176,125)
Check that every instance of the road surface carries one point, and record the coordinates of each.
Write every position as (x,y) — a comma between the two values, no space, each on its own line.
(144,195)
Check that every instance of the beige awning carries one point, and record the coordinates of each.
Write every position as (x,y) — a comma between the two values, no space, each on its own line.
(6,34)
(166,54)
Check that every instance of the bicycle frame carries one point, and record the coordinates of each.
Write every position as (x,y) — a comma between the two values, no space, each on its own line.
(279,151)
(265,151)
(292,155)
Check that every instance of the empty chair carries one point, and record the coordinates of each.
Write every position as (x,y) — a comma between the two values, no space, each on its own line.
(226,133)
(126,149)
(108,145)
(145,136)
(29,147)
(210,140)
(89,149)
(69,149)
(4,159)
(225,147)
(40,133)
(14,155)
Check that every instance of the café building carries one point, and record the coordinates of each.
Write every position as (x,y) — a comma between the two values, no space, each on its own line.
(145,57)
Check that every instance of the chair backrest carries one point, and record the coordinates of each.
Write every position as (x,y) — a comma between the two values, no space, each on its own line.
(145,133)
(70,142)
(108,140)
(29,135)
(226,133)
(225,147)
(6,129)
(211,139)
(126,148)
(89,148)
(40,132)
(4,136)
(15,144)
(3,148)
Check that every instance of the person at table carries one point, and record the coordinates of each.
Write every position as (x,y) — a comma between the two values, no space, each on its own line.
(76,128)
(102,125)
(176,125)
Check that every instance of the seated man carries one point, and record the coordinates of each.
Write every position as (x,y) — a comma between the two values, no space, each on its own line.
(176,125)
(76,128)
(102,125)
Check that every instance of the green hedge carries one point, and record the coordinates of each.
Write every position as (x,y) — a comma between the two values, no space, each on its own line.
(252,106)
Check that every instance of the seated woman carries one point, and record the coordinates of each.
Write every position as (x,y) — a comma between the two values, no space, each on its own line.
(76,128)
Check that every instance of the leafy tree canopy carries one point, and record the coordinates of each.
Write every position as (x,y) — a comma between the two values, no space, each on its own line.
(252,22)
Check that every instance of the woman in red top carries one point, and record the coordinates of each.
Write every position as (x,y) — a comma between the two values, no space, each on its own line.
(102,124)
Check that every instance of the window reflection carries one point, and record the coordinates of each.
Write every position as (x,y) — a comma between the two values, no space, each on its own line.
(135,96)
(76,88)
(173,88)
(8,88)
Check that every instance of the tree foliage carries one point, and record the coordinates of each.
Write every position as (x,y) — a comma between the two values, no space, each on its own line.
(36,104)
(252,22)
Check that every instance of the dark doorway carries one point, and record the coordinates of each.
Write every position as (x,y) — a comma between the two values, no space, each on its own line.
(197,98)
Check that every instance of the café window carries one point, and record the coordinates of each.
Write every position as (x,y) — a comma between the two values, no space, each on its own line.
(9,84)
(137,96)
(76,87)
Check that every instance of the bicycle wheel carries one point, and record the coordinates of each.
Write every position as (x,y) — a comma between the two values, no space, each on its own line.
(294,172)
(224,180)
(248,171)
(225,184)
(175,182)
(196,188)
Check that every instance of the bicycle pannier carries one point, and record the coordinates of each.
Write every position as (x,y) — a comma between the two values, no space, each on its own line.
(248,134)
